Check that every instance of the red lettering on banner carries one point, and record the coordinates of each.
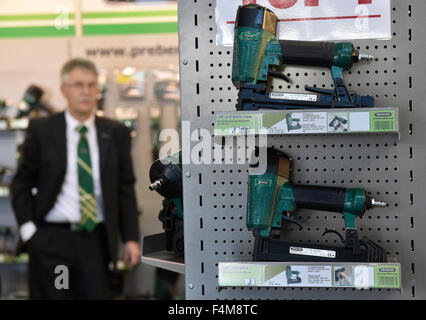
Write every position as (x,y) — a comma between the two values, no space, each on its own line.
(311,3)
(315,3)
(282,4)
(285,4)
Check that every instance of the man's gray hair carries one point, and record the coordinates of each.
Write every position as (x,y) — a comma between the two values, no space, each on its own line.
(77,63)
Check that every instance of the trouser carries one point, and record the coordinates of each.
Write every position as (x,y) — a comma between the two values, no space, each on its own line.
(68,264)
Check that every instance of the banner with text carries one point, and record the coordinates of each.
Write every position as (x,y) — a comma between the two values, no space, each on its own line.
(314,20)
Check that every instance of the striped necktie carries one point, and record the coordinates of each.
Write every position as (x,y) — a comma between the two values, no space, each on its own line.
(85,180)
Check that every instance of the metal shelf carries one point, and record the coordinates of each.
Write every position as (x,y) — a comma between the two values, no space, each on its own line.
(154,253)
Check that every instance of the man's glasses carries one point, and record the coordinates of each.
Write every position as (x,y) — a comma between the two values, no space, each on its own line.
(81,85)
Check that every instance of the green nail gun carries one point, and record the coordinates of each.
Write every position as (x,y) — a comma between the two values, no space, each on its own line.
(338,123)
(272,200)
(292,276)
(166,179)
(258,55)
(292,123)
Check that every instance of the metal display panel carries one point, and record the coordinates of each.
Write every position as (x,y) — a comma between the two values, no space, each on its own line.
(390,169)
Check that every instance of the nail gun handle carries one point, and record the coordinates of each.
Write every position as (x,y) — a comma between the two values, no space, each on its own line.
(308,53)
(352,203)
(319,198)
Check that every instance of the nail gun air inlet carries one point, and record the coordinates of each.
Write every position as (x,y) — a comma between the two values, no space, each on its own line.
(156,185)
(365,57)
(378,204)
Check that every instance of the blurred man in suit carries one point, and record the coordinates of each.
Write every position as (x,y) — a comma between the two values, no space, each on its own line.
(73,194)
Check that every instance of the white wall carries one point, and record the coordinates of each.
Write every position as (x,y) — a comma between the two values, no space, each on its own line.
(34,7)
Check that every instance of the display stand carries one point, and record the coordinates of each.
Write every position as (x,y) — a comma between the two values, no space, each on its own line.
(390,169)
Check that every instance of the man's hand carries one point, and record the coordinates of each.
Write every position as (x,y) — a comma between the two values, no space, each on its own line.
(132,253)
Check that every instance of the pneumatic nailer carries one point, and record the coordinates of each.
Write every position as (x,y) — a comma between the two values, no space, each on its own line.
(272,199)
(258,56)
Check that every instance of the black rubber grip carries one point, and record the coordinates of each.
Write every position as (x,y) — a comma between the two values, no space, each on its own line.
(307,53)
(250,16)
(319,198)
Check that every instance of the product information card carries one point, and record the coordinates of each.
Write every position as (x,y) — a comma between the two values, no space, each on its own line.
(277,274)
(379,120)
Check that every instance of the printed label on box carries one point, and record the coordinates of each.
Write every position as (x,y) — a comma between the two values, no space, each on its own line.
(307,122)
(278,274)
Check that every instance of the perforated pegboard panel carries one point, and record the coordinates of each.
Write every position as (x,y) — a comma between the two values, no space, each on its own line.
(391,170)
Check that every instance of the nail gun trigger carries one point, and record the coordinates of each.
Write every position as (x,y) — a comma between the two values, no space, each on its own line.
(279,75)
(335,232)
(327,92)
(292,220)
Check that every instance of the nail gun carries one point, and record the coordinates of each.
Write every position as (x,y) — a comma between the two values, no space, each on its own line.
(292,276)
(166,179)
(292,123)
(338,123)
(272,199)
(258,55)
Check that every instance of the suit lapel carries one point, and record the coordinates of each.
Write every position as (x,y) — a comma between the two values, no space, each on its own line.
(59,139)
(104,139)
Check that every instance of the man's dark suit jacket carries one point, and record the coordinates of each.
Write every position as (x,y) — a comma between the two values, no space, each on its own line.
(43,166)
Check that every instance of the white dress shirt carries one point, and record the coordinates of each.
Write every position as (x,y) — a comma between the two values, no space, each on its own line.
(67,205)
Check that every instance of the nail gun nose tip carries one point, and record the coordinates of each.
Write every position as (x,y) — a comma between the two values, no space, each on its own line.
(379,204)
(365,57)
